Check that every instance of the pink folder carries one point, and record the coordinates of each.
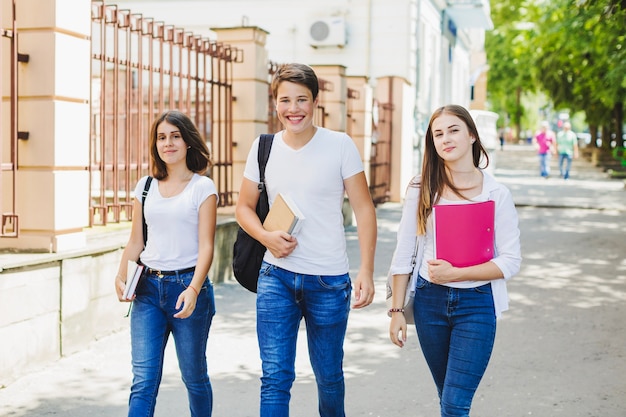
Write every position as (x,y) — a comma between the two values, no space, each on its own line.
(464,233)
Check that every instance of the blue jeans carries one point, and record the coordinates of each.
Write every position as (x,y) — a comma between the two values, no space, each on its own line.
(151,323)
(544,164)
(456,330)
(283,298)
(565,159)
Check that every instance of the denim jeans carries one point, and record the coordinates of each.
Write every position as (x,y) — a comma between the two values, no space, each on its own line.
(565,159)
(456,330)
(283,299)
(544,164)
(151,323)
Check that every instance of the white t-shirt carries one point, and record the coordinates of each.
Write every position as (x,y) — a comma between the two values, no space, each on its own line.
(173,223)
(313,177)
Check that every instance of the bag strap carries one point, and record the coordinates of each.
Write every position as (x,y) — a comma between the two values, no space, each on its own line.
(143,204)
(265,146)
(414,257)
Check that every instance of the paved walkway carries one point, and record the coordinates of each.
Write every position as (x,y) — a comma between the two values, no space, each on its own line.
(559,351)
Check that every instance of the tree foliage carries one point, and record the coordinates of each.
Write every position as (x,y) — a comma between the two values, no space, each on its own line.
(510,54)
(576,51)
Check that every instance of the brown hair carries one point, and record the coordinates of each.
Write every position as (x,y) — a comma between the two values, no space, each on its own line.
(434,176)
(298,74)
(198,154)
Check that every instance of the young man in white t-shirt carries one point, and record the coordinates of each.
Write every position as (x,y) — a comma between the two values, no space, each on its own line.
(306,275)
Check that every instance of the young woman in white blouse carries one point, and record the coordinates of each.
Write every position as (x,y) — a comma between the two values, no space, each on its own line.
(455,308)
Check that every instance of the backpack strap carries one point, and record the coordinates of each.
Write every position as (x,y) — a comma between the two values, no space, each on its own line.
(265,146)
(143,204)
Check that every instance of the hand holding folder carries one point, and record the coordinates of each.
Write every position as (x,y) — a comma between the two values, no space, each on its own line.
(464,233)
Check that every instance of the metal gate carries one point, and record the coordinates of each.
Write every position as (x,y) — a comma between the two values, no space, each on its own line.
(140,68)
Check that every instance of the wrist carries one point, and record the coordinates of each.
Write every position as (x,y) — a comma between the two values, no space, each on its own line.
(396,310)
(193,289)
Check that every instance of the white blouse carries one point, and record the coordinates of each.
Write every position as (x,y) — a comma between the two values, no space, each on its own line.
(507,253)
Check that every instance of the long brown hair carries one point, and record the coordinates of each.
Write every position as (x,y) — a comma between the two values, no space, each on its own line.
(434,176)
(198,155)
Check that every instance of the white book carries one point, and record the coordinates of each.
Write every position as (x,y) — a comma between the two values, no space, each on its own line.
(133,273)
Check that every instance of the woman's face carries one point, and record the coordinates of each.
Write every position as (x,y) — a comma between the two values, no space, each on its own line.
(452,139)
(295,107)
(170,144)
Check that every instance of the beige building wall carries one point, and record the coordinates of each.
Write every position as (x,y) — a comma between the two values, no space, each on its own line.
(52,182)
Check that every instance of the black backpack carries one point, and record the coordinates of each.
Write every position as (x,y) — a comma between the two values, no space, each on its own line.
(248,252)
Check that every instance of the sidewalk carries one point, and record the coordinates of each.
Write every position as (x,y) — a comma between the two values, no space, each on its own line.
(559,350)
(588,187)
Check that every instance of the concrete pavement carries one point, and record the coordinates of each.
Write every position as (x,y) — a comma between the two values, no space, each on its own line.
(559,351)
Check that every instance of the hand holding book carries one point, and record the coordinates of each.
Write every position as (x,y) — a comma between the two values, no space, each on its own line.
(133,273)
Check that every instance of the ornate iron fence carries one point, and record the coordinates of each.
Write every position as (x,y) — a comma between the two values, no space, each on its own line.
(140,68)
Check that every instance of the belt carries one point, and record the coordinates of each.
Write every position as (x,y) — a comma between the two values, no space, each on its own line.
(161,273)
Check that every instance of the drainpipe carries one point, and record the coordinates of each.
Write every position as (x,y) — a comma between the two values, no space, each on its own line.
(368,46)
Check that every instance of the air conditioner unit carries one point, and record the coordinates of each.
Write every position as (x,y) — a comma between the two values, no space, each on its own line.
(330,31)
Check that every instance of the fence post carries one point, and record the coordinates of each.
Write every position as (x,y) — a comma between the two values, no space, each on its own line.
(54,109)
(359,117)
(394,93)
(334,98)
(250,83)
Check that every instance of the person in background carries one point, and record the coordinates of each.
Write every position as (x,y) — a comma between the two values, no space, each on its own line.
(455,308)
(174,294)
(566,149)
(544,143)
(306,276)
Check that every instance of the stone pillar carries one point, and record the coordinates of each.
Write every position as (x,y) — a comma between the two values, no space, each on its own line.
(54,91)
(360,127)
(397,92)
(334,101)
(250,91)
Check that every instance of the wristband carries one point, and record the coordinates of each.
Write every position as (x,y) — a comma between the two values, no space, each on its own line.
(396,310)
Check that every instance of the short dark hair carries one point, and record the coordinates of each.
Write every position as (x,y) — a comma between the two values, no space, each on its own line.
(198,154)
(298,74)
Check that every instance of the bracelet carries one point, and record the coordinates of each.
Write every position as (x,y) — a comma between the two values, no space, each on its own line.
(194,290)
(396,310)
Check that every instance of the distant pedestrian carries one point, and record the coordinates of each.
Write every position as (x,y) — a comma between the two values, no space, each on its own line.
(501,137)
(455,308)
(566,149)
(544,143)
(174,294)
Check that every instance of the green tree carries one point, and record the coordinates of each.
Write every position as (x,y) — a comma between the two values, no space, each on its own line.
(581,60)
(573,50)
(510,56)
